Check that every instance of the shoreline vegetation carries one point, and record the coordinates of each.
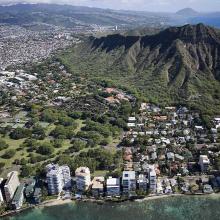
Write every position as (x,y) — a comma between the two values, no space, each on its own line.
(60,202)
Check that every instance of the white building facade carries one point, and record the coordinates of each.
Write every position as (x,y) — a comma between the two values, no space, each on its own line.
(58,178)
(113,186)
(128,181)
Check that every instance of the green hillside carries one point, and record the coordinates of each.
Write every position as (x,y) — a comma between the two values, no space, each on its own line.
(176,66)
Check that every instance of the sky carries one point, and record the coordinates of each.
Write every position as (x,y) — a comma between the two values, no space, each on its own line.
(141,5)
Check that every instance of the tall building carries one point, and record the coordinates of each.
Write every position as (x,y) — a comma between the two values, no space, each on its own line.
(58,178)
(83,178)
(204,162)
(113,186)
(18,198)
(65,172)
(128,181)
(152,179)
(11,185)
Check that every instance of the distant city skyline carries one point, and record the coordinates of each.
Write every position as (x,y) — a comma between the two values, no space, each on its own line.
(140,5)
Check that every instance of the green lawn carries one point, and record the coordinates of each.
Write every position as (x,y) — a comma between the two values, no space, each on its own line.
(22,153)
(13,144)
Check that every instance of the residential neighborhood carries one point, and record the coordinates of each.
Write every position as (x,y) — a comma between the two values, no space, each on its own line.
(165,151)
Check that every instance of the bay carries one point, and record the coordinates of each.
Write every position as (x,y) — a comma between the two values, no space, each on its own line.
(171,208)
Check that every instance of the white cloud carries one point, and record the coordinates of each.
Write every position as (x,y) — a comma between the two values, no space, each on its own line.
(150,5)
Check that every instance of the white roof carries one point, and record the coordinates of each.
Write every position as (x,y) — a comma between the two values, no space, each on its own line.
(131,119)
(198,127)
(131,124)
(112,182)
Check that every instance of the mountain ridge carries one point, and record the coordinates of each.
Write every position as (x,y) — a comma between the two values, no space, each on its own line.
(178,64)
(70,16)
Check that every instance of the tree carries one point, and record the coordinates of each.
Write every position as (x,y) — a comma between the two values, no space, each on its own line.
(9,154)
(49,116)
(78,145)
(57,143)
(38,132)
(45,149)
(66,121)
(63,132)
(75,115)
(2,164)
(26,171)
(3,145)
(193,188)
(126,108)
(20,133)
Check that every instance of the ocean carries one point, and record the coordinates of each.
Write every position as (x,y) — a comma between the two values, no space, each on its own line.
(170,208)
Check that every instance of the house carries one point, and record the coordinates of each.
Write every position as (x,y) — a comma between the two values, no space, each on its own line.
(37,195)
(29,190)
(113,186)
(173,182)
(152,178)
(159,189)
(18,198)
(170,156)
(204,162)
(143,106)
(179,157)
(142,182)
(154,155)
(167,186)
(217,122)
(128,181)
(207,189)
(127,156)
(131,119)
(98,186)
(131,125)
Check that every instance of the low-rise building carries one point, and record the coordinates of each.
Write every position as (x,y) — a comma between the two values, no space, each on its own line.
(98,186)
(159,187)
(113,186)
(152,179)
(18,198)
(83,178)
(204,162)
(207,189)
(29,190)
(128,181)
(142,182)
(37,195)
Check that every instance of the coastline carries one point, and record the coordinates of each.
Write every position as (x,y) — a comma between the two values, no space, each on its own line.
(59,202)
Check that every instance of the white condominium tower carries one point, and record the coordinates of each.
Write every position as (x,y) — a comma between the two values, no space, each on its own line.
(58,178)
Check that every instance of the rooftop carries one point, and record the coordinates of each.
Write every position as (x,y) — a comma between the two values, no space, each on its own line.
(128,175)
(113,181)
